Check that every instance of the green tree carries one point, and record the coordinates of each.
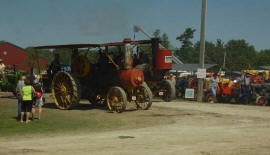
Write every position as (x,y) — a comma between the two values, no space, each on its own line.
(163,38)
(263,58)
(186,51)
(156,33)
(186,37)
(240,55)
(34,55)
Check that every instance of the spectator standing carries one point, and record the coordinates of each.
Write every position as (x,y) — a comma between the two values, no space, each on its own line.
(213,86)
(39,99)
(27,97)
(19,95)
(2,67)
(55,65)
(245,87)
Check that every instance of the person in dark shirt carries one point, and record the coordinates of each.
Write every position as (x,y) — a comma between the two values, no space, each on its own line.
(55,65)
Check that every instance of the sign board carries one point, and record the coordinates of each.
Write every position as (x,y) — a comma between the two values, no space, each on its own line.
(201,73)
(160,93)
(189,93)
(168,59)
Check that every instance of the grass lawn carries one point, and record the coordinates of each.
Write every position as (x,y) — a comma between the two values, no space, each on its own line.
(55,121)
(82,119)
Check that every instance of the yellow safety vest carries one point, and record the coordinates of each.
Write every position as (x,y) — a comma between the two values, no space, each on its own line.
(27,93)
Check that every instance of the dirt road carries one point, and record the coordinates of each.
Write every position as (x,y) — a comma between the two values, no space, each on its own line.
(197,128)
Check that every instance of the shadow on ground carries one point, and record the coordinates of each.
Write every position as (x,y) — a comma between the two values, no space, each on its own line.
(86,107)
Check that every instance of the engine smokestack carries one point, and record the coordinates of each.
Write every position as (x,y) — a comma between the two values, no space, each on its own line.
(127,54)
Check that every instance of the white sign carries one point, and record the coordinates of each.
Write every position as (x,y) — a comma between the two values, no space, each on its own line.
(189,93)
(201,73)
(168,59)
(160,93)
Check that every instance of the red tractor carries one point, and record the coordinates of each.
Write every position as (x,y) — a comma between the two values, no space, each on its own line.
(156,69)
(227,89)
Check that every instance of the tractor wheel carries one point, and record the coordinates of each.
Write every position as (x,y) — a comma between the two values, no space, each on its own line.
(260,100)
(209,97)
(169,91)
(116,99)
(143,97)
(65,90)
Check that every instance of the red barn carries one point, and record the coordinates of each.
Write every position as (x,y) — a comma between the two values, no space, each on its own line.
(14,55)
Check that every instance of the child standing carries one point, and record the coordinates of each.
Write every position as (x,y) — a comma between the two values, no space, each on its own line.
(39,99)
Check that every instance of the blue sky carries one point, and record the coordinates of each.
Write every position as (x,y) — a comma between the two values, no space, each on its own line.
(49,22)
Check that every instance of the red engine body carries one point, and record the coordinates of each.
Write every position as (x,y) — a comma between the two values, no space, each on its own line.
(164,59)
(132,77)
(256,79)
(225,89)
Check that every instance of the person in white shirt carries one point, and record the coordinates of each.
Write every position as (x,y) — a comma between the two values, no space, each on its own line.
(245,86)
(213,85)
(19,95)
(2,66)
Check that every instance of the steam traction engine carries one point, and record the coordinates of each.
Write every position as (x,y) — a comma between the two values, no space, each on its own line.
(156,70)
(112,80)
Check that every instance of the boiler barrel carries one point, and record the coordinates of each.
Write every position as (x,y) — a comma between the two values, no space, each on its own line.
(132,77)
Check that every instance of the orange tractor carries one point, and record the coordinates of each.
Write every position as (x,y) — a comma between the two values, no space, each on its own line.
(226,90)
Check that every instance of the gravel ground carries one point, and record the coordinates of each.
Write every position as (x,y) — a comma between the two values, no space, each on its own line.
(191,128)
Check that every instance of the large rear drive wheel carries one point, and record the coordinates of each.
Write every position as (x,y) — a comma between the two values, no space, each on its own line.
(116,99)
(65,90)
(143,97)
(168,91)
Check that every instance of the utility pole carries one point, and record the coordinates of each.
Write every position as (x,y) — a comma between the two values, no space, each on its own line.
(224,60)
(202,51)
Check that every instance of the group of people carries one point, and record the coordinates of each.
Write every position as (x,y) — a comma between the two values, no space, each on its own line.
(245,86)
(30,96)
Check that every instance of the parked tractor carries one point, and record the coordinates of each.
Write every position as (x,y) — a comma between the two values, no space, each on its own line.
(156,70)
(112,80)
(227,89)
(260,85)
(9,80)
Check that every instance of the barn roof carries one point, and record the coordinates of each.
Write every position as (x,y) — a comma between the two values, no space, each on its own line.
(3,41)
(18,56)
